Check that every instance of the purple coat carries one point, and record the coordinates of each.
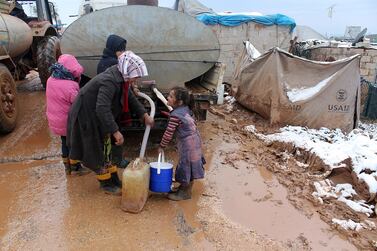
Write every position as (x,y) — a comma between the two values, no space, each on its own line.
(191,160)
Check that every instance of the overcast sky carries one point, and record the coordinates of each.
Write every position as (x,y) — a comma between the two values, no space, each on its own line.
(311,13)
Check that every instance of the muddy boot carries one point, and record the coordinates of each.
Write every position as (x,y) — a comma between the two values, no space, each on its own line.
(113,170)
(183,193)
(67,166)
(77,168)
(107,185)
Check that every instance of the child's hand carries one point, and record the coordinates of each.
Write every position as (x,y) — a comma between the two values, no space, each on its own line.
(118,138)
(160,150)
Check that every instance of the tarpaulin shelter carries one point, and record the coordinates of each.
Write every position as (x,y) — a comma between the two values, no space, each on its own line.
(291,90)
(209,17)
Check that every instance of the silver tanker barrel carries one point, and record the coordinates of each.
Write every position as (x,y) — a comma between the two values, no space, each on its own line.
(15,36)
(176,47)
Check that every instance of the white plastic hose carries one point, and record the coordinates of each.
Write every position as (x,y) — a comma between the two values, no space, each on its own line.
(148,127)
(162,98)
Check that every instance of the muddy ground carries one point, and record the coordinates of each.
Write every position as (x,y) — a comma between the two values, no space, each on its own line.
(250,199)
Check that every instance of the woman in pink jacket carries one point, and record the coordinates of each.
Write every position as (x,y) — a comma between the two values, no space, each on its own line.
(62,89)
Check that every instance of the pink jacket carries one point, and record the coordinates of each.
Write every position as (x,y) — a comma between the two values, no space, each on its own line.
(60,95)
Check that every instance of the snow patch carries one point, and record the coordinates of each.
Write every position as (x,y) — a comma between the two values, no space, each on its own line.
(358,206)
(348,224)
(303,93)
(351,225)
(333,147)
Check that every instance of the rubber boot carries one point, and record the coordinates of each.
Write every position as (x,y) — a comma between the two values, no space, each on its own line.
(113,170)
(67,166)
(107,185)
(77,168)
(184,192)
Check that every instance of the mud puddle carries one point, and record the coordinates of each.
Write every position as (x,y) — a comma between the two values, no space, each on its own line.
(261,204)
(252,197)
(31,139)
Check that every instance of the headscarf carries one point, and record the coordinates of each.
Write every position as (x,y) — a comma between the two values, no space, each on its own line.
(58,71)
(131,65)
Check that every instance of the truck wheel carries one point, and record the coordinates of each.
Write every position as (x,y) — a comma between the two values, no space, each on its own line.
(47,54)
(8,99)
(20,72)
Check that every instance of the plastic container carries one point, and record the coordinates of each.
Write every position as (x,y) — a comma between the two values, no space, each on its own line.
(161,174)
(135,179)
(135,184)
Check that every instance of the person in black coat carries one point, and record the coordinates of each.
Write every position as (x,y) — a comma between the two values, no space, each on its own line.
(115,46)
(91,120)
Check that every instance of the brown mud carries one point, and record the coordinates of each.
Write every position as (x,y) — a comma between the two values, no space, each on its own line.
(249,200)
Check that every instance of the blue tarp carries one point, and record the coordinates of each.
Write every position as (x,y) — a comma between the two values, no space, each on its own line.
(238,19)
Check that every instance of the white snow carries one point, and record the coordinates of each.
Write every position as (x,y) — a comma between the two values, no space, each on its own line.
(348,224)
(334,147)
(250,128)
(229,103)
(325,189)
(358,206)
(230,99)
(300,94)
(345,190)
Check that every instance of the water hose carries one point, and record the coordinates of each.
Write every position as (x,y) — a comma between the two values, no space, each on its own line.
(152,85)
(148,127)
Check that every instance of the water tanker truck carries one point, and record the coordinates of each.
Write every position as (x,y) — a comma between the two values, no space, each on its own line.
(28,40)
(178,50)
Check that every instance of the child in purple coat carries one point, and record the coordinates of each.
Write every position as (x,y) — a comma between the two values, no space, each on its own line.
(191,160)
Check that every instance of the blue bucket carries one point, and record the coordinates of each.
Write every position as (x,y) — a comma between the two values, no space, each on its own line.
(161,176)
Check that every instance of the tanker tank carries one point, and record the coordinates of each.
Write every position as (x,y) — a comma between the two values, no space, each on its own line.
(15,36)
(175,46)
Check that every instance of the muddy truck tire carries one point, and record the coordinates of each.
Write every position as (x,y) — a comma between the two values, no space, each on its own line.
(48,53)
(8,99)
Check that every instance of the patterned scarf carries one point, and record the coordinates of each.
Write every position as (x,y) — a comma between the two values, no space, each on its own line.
(131,66)
(58,71)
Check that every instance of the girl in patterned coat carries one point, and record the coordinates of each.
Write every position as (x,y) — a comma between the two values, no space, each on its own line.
(191,160)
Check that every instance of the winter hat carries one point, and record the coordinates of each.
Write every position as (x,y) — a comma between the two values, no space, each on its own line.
(71,64)
(116,43)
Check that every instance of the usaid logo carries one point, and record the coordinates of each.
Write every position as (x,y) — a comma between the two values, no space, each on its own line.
(341,95)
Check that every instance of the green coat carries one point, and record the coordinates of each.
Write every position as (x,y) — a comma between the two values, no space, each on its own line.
(93,114)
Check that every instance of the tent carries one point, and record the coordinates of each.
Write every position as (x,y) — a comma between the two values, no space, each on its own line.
(287,89)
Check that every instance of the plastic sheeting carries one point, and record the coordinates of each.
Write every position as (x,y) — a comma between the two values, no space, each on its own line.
(237,19)
(290,90)
(370,107)
(192,7)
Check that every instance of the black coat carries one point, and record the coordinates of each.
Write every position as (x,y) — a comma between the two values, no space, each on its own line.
(114,43)
(92,116)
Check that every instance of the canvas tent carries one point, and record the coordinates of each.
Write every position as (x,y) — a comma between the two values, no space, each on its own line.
(291,90)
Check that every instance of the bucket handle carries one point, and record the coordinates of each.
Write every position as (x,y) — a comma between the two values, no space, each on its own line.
(161,158)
